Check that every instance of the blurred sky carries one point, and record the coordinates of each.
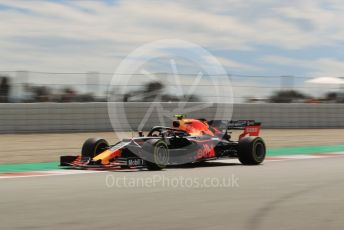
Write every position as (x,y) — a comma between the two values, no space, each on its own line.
(260,37)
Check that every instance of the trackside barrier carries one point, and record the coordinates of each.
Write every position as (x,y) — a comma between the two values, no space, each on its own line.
(80,117)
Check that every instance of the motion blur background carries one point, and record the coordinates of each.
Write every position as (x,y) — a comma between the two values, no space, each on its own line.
(67,51)
(274,54)
(33,86)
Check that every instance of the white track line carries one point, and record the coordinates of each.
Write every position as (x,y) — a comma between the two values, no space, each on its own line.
(63,172)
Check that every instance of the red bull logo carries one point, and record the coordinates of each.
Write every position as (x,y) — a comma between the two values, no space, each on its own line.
(207,151)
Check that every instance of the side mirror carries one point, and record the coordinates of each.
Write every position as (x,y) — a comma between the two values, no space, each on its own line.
(141,134)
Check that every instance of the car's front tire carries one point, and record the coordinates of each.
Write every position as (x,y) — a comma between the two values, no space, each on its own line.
(93,147)
(160,152)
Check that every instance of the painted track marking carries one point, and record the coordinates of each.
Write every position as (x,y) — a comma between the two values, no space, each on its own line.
(63,172)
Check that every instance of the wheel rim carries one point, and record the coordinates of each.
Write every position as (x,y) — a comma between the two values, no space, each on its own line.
(260,151)
(161,155)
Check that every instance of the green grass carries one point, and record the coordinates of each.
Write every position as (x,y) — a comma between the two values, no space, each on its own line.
(305,150)
(8,168)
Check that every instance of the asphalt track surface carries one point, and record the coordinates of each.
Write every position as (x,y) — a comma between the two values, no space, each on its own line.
(298,194)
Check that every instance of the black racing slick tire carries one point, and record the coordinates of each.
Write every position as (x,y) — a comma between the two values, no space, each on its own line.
(93,147)
(160,154)
(251,150)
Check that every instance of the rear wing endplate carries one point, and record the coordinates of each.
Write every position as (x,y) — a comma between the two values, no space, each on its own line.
(250,127)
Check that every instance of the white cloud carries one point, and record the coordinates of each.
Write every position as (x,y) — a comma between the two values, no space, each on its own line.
(98,34)
(231,64)
(318,67)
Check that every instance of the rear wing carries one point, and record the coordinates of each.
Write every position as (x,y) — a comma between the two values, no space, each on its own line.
(250,127)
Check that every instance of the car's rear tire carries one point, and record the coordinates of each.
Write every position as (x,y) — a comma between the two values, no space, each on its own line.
(93,147)
(251,150)
(159,149)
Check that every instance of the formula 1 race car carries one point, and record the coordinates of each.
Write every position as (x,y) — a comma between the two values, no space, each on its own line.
(188,141)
